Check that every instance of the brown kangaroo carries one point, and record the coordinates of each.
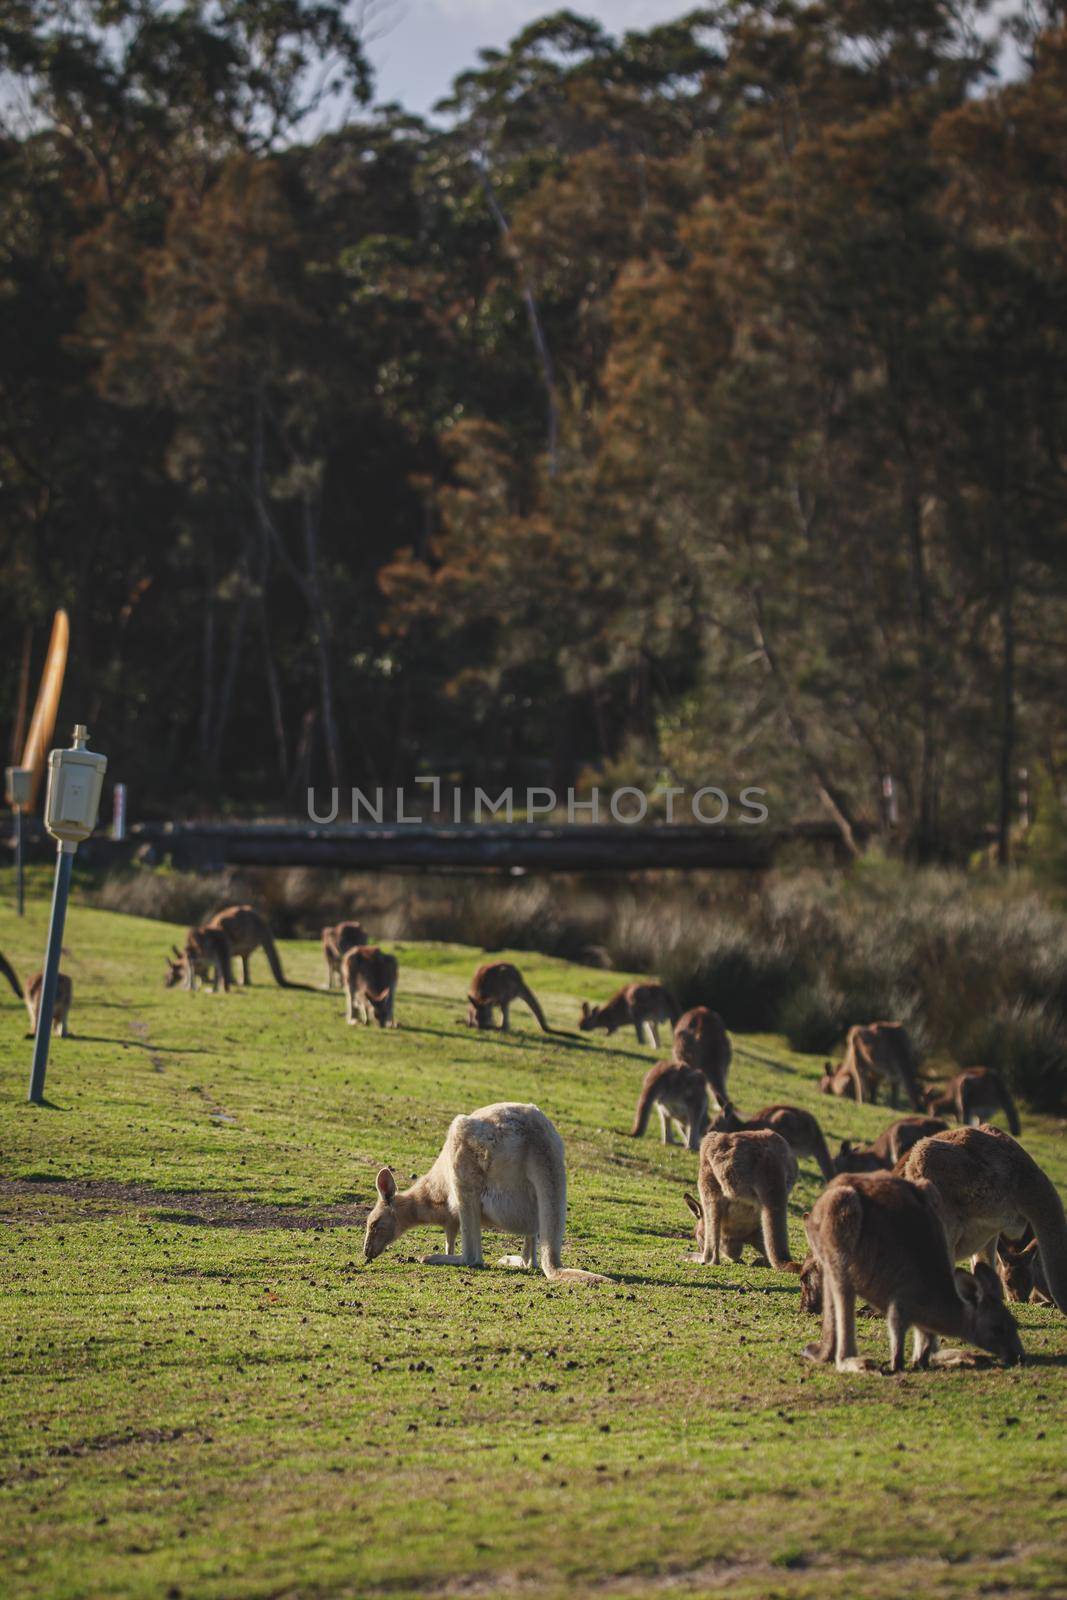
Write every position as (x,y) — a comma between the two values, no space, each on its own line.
(744,1185)
(680,1096)
(243,931)
(877,1051)
(64,996)
(973,1096)
(883,1237)
(496,985)
(701,1041)
(645,1005)
(798,1128)
(847,1081)
(336,942)
(1019,1267)
(205,958)
(370,976)
(989,1185)
(7,971)
(883,1153)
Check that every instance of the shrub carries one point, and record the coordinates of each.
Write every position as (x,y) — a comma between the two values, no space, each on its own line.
(745,980)
(1027,1045)
(813,1017)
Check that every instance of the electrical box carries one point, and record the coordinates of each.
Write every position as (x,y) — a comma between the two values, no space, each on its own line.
(75,779)
(19,787)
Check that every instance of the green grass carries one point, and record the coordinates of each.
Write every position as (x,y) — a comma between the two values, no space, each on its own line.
(190,1407)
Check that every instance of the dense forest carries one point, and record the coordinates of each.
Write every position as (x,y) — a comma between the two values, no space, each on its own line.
(689,403)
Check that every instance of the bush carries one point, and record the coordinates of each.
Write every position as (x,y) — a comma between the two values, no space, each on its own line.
(1027,1045)
(813,1017)
(745,980)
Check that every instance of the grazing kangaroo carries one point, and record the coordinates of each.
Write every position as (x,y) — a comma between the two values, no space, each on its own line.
(847,1082)
(798,1128)
(883,1237)
(974,1096)
(370,976)
(206,958)
(336,942)
(498,984)
(501,1168)
(64,996)
(744,1184)
(7,971)
(883,1153)
(701,1041)
(989,1185)
(680,1096)
(242,931)
(1019,1267)
(883,1050)
(645,1005)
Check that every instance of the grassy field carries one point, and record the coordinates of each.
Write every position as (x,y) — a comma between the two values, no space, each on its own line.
(204,1392)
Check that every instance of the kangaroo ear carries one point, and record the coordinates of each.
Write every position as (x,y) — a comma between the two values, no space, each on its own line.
(846,1147)
(473,1001)
(386,1185)
(585,1008)
(988,1281)
(967,1285)
(176,951)
(694,1205)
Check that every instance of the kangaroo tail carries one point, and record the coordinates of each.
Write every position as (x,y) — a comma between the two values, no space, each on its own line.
(535,1006)
(570,1274)
(643,1111)
(1008,1103)
(1043,1209)
(548,1177)
(271,954)
(7,971)
(820,1151)
(774,1229)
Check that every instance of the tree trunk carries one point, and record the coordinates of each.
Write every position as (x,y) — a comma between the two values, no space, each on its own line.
(229,683)
(533,316)
(274,693)
(1007,689)
(320,625)
(207,667)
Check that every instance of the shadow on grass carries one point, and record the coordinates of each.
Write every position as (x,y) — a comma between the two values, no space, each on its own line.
(514,1040)
(143,1044)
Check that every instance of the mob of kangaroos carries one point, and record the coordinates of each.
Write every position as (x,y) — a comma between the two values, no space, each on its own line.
(898,1213)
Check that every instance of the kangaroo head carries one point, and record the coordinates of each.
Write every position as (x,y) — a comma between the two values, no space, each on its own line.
(380,1005)
(588,1018)
(986,1318)
(479,1013)
(698,1227)
(856,1158)
(727,1121)
(382,1224)
(175,968)
(1016,1269)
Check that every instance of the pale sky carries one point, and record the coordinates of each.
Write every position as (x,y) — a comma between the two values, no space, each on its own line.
(417,46)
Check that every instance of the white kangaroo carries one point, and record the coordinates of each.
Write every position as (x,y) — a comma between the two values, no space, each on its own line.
(501,1168)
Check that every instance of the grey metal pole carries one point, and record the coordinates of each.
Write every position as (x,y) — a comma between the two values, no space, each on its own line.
(18,857)
(64,864)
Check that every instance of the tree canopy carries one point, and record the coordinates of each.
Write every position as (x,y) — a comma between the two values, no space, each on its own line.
(690,402)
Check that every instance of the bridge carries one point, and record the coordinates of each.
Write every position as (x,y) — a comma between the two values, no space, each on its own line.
(501,847)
